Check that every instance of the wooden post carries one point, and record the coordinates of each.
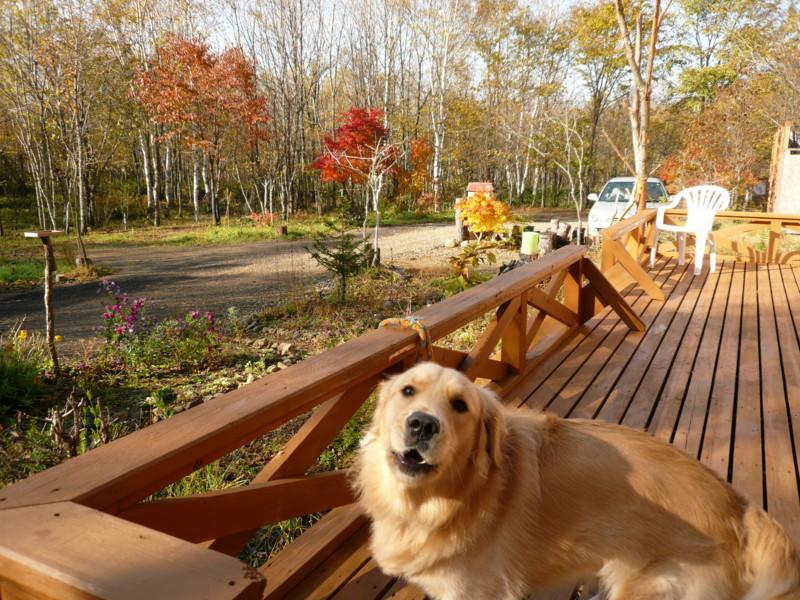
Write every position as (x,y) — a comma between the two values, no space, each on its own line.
(49,272)
(459,233)
(514,347)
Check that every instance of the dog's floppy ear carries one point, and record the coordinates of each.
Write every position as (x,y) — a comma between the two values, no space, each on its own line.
(495,424)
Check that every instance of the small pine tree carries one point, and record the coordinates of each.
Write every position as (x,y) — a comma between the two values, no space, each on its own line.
(342,255)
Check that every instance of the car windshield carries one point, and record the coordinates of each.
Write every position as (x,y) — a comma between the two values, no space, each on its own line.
(620,191)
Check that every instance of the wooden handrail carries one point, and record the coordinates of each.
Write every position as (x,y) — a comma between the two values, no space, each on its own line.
(65,550)
(618,230)
(626,245)
(751,217)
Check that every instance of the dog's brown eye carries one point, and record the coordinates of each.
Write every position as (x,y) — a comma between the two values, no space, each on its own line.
(458,405)
(408,390)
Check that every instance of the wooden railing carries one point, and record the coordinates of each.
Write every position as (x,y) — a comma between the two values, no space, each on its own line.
(774,247)
(84,527)
(626,245)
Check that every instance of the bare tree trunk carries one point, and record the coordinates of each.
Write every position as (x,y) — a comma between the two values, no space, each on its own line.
(148,181)
(195,186)
(641,68)
(49,271)
(80,182)
(155,157)
(167,178)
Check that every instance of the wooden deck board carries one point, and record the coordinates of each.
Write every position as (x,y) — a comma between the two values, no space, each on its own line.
(717,373)
(622,347)
(748,462)
(646,379)
(716,449)
(671,398)
(556,373)
(780,476)
(691,426)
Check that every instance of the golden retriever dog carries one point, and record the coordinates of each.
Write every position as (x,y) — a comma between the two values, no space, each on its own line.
(470,500)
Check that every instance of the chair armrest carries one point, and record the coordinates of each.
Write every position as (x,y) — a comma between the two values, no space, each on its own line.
(660,211)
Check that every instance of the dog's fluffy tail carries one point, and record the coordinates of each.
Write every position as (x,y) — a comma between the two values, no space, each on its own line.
(771,562)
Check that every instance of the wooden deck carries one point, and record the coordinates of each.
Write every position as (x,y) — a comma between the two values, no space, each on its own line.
(717,373)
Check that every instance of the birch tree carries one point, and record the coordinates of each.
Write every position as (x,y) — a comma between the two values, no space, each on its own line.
(640,51)
(444,25)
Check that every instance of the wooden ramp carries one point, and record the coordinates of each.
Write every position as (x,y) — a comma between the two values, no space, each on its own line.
(717,373)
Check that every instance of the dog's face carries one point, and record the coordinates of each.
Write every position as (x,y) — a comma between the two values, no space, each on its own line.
(432,422)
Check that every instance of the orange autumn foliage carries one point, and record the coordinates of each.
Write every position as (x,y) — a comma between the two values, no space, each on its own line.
(201,95)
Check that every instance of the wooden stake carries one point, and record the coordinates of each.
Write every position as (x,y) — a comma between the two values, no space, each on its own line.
(49,271)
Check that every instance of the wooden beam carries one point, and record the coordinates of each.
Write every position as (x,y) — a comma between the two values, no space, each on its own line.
(489,338)
(545,303)
(615,232)
(536,320)
(572,287)
(218,514)
(753,217)
(514,338)
(303,449)
(611,297)
(618,277)
(488,369)
(722,236)
(294,563)
(635,269)
(68,551)
(774,238)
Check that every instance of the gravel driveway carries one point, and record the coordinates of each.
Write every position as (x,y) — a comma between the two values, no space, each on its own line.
(176,280)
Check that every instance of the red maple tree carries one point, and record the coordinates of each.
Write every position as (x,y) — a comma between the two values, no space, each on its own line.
(207,99)
(359,151)
(357,147)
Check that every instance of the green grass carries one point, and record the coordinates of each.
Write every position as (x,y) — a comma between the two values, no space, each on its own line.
(236,230)
(27,272)
(241,231)
(12,272)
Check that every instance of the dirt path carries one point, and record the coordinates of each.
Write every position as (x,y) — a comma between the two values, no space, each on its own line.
(177,280)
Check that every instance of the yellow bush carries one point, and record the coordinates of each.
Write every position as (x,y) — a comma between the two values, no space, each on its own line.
(483,213)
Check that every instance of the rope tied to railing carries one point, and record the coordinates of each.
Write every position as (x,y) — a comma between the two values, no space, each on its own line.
(425,351)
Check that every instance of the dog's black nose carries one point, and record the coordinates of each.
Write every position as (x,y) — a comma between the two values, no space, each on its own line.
(421,427)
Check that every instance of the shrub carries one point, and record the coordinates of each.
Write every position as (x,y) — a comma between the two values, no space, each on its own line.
(264,219)
(464,265)
(343,256)
(483,213)
(136,341)
(23,362)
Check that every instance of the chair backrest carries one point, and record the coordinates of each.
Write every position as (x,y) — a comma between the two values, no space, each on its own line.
(702,203)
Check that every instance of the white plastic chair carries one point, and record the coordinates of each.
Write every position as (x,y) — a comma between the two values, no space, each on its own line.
(702,203)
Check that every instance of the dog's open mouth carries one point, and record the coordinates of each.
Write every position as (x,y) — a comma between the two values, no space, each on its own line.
(411,462)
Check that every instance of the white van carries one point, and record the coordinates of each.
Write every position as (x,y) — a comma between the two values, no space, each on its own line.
(610,204)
